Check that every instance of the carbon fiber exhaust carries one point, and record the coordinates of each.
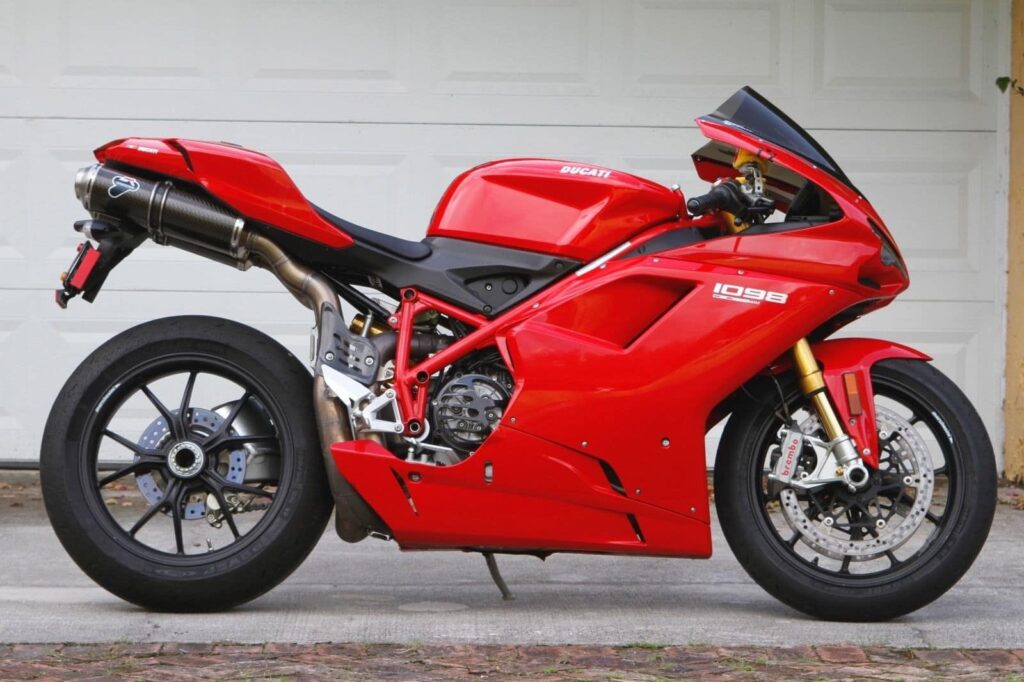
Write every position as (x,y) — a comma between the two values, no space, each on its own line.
(172,215)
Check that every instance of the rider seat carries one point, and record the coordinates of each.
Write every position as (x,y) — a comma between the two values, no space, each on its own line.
(396,246)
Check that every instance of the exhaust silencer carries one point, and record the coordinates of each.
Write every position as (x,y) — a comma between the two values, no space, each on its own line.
(176,216)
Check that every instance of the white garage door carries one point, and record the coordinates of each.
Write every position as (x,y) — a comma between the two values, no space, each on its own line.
(375,106)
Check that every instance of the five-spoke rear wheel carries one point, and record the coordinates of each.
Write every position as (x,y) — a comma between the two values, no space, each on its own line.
(181,466)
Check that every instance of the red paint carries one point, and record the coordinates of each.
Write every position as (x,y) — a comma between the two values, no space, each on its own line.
(540,497)
(541,205)
(856,356)
(251,183)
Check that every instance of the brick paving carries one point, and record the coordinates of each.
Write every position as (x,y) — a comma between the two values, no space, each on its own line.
(474,662)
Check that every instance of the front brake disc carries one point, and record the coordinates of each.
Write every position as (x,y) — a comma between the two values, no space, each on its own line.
(912,454)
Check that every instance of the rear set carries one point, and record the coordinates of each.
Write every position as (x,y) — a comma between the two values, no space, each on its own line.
(539,373)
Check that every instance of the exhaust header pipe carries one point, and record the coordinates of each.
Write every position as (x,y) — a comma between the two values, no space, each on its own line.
(175,216)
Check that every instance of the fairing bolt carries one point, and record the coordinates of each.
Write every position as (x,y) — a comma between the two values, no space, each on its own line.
(584,443)
(665,442)
(368,361)
(329,356)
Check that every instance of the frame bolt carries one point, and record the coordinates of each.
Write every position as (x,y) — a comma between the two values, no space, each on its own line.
(392,320)
(398,428)
(866,451)
(368,361)
(329,356)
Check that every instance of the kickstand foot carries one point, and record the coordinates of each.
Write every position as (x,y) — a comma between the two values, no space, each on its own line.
(492,566)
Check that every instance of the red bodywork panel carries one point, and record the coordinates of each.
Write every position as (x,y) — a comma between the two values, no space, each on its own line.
(621,368)
(556,207)
(251,183)
(840,357)
(517,492)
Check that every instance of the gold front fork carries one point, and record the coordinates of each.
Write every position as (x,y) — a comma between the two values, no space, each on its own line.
(812,383)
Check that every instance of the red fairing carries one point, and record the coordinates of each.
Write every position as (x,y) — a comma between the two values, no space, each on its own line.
(557,207)
(855,357)
(517,492)
(633,388)
(854,205)
(251,183)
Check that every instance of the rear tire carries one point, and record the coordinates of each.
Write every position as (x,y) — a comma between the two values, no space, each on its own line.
(161,578)
(745,510)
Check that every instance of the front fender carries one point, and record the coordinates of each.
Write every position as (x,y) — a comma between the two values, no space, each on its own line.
(846,364)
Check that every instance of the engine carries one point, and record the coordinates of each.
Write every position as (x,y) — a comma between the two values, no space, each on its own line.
(470,400)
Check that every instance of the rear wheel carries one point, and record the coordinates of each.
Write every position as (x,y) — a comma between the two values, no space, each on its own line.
(887,549)
(181,468)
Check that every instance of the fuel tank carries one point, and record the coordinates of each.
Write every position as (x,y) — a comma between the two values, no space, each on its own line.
(556,207)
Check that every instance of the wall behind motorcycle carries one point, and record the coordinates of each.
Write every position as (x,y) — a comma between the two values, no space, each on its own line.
(375,105)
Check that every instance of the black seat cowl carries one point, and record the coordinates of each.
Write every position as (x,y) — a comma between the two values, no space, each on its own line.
(403,248)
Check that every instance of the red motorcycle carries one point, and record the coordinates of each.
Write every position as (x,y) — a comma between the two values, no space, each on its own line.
(536,376)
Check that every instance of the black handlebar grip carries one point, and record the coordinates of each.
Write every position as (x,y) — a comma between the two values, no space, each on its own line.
(719,197)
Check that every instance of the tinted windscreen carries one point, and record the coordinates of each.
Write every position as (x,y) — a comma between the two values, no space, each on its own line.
(756,115)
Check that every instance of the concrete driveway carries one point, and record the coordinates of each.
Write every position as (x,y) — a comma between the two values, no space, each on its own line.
(372,592)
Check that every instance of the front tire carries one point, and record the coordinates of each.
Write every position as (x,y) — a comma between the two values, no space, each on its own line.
(218,489)
(800,559)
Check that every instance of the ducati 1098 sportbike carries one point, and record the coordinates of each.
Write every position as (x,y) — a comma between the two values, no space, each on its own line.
(537,375)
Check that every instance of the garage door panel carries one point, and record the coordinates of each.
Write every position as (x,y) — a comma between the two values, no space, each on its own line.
(667,44)
(338,55)
(902,58)
(905,65)
(120,47)
(486,47)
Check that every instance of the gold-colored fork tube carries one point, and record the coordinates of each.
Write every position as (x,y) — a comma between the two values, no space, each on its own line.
(812,383)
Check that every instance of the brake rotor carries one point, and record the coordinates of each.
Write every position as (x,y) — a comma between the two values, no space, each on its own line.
(158,434)
(910,460)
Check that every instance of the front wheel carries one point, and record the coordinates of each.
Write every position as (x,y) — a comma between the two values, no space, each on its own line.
(885,550)
(181,467)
